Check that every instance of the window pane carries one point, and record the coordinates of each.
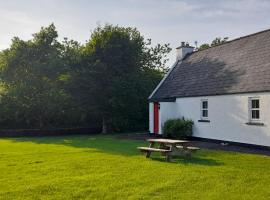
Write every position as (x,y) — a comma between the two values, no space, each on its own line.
(205,104)
(255,114)
(252,103)
(255,103)
(205,113)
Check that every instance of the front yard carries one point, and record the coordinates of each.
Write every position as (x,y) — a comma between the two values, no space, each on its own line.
(104,167)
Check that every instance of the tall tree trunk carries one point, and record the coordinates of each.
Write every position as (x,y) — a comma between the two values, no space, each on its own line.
(104,125)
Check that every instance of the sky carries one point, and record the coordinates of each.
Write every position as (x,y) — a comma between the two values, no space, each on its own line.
(164,21)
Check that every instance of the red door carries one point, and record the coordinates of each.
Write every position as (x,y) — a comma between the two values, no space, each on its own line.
(156,118)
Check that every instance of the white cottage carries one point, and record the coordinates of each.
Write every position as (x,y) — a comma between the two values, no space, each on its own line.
(224,89)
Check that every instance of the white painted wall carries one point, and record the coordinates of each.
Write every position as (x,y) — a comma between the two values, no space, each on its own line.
(228,115)
(167,111)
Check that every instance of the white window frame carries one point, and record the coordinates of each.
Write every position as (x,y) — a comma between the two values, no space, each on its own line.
(202,109)
(251,109)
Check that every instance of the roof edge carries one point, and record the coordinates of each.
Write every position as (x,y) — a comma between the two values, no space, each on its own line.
(164,78)
(169,99)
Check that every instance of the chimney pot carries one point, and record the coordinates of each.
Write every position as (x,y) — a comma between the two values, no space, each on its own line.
(183,50)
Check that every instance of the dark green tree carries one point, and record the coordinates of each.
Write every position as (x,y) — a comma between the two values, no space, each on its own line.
(32,74)
(46,83)
(120,68)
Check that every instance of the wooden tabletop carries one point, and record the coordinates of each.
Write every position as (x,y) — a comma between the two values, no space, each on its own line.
(167,141)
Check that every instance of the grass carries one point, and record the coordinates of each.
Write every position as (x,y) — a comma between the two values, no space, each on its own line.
(104,167)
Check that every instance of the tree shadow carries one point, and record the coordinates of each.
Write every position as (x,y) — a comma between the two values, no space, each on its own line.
(113,145)
(95,143)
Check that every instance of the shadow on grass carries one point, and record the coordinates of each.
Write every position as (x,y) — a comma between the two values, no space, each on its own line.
(111,145)
(193,161)
(98,143)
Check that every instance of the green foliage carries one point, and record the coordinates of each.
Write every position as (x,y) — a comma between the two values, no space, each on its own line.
(178,128)
(215,42)
(204,46)
(47,83)
(219,40)
(34,73)
(104,167)
(118,73)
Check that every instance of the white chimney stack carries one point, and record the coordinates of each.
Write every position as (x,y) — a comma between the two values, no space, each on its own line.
(183,50)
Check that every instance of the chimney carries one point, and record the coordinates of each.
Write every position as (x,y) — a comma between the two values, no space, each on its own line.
(183,50)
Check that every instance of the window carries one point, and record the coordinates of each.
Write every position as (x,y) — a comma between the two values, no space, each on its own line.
(204,109)
(254,109)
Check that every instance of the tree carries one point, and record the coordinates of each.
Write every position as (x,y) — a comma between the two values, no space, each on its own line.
(46,83)
(31,72)
(215,42)
(219,40)
(204,46)
(119,71)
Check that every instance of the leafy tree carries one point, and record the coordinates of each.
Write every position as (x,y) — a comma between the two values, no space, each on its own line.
(219,40)
(215,42)
(119,71)
(47,83)
(204,46)
(31,72)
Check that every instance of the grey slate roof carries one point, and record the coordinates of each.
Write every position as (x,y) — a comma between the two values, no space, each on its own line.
(238,66)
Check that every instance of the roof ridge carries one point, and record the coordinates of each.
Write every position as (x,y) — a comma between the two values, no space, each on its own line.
(233,40)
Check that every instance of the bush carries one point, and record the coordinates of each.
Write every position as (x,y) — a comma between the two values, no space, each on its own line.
(178,128)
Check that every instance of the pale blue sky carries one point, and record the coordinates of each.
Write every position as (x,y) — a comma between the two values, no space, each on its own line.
(165,21)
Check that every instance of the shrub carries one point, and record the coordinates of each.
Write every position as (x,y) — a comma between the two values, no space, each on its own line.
(178,128)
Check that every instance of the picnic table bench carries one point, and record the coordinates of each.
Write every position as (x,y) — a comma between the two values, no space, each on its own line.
(168,148)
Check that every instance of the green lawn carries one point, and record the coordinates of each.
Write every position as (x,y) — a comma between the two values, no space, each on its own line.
(99,167)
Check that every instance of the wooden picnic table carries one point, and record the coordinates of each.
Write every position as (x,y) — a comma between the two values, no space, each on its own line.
(167,142)
(168,147)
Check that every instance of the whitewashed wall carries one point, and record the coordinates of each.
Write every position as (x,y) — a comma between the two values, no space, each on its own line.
(167,111)
(228,115)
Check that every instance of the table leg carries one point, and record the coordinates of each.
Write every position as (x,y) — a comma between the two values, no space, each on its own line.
(186,153)
(148,153)
(168,157)
(184,145)
(175,151)
(162,146)
(151,145)
(169,154)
